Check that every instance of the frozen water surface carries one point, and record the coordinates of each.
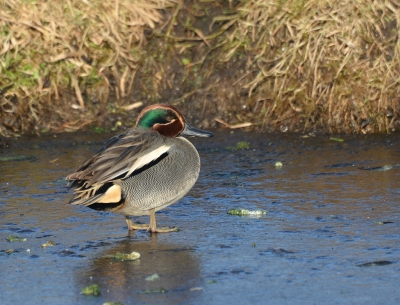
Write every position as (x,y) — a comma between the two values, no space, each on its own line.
(331,235)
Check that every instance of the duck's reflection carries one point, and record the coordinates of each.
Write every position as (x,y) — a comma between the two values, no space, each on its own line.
(125,281)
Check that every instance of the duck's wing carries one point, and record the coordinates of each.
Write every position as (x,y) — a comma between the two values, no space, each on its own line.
(118,159)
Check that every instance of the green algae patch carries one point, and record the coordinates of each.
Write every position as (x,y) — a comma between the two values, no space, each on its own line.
(13,239)
(244,212)
(239,146)
(93,289)
(126,256)
(153,291)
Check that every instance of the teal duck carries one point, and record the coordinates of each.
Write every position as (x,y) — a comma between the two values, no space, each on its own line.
(143,170)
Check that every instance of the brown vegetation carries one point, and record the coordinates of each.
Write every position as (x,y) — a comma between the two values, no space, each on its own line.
(292,65)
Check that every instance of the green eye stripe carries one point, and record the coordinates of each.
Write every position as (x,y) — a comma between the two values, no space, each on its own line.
(152,117)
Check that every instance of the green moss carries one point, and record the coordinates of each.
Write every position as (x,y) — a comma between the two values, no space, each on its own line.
(126,256)
(239,146)
(93,289)
(185,61)
(97,129)
(27,81)
(13,238)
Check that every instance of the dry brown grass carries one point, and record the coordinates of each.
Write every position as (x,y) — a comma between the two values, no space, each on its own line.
(48,47)
(288,65)
(335,63)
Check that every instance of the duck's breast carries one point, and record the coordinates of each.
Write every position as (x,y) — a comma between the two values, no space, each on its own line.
(163,183)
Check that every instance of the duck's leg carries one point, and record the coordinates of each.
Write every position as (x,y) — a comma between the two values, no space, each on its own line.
(153,225)
(135,226)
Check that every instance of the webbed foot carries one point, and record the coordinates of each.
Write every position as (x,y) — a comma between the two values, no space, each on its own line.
(163,229)
(152,227)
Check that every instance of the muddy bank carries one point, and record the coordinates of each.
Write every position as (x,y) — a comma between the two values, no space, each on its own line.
(298,66)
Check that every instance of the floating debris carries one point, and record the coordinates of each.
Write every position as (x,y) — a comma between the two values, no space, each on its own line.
(68,253)
(211,282)
(236,126)
(13,238)
(340,165)
(130,107)
(9,251)
(244,212)
(337,139)
(253,245)
(278,164)
(93,289)
(126,256)
(383,222)
(196,289)
(49,243)
(159,290)
(385,168)
(113,303)
(376,263)
(152,277)
(239,146)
